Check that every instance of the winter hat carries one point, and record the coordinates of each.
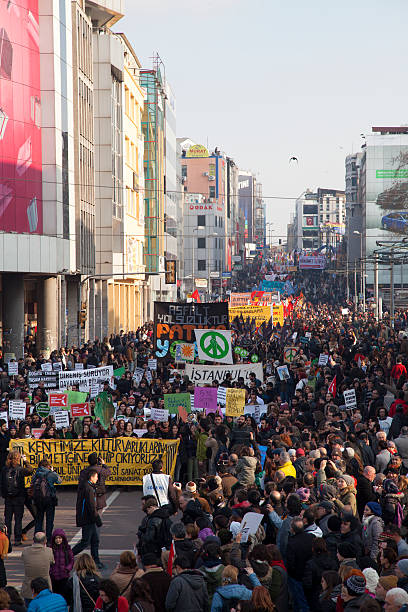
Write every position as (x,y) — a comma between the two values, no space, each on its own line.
(304,493)
(403,566)
(191,487)
(388,582)
(375,508)
(334,523)
(347,550)
(349,480)
(371,577)
(356,585)
(326,505)
(300,452)
(327,491)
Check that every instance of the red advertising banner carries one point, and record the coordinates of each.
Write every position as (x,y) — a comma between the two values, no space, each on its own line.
(20,118)
(80,410)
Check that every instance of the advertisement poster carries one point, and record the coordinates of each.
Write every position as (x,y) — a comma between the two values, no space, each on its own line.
(174,322)
(20,118)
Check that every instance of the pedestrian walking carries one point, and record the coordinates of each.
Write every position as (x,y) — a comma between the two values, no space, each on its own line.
(88,518)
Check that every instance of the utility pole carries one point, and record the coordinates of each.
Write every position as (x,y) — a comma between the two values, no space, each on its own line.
(376,313)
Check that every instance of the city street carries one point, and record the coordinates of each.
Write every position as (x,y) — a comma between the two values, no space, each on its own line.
(120,523)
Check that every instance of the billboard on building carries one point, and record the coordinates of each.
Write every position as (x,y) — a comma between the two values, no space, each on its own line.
(20,118)
(246,199)
(386,170)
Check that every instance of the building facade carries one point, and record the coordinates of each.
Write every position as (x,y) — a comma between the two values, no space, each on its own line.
(354,210)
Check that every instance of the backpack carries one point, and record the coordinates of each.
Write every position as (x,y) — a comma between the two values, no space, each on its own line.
(165,537)
(228,604)
(41,492)
(12,488)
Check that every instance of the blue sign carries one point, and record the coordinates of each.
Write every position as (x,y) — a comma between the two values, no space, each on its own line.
(226,274)
(272,285)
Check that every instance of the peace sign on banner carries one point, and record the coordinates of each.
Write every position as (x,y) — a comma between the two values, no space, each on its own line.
(214,345)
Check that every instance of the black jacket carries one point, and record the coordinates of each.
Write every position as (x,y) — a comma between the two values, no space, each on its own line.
(192,512)
(91,584)
(151,541)
(313,575)
(20,473)
(365,493)
(298,553)
(86,512)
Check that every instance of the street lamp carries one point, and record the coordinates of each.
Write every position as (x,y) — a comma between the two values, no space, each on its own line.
(362,279)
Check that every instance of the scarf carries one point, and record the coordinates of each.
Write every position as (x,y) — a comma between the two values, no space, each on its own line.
(76,593)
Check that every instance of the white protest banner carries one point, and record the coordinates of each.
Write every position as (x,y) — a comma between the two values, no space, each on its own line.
(159,414)
(152,364)
(12,368)
(222,395)
(4,416)
(202,374)
(47,367)
(79,366)
(61,419)
(214,345)
(17,410)
(250,524)
(76,377)
(283,372)
(323,359)
(350,398)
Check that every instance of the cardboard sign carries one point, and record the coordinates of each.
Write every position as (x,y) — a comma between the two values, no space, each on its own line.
(235,402)
(58,400)
(214,345)
(17,410)
(350,398)
(159,414)
(12,368)
(205,398)
(49,379)
(152,364)
(61,419)
(323,359)
(250,524)
(4,416)
(222,395)
(283,372)
(46,367)
(79,366)
(173,400)
(57,366)
(80,410)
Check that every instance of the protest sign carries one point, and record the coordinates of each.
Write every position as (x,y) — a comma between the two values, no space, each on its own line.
(256,298)
(37,432)
(175,322)
(254,410)
(323,359)
(214,345)
(46,367)
(289,353)
(152,364)
(94,388)
(49,379)
(61,419)
(140,432)
(250,524)
(17,410)
(308,335)
(221,395)
(8,357)
(12,368)
(283,372)
(149,377)
(58,400)
(80,410)
(312,262)
(173,400)
(235,402)
(203,374)
(79,366)
(182,412)
(277,314)
(57,366)
(261,314)
(158,414)
(129,459)
(4,416)
(350,398)
(183,351)
(76,397)
(76,377)
(42,409)
(205,398)
(118,372)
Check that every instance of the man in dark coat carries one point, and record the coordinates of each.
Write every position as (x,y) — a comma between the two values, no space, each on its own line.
(190,507)
(365,491)
(188,591)
(155,535)
(104,472)
(298,553)
(88,518)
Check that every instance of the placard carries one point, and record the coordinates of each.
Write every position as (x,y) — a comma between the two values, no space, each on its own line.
(17,410)
(61,418)
(205,398)
(221,395)
(79,366)
(235,402)
(4,416)
(152,364)
(323,359)
(350,398)
(173,400)
(57,366)
(67,378)
(12,368)
(128,458)
(204,374)
(283,372)
(49,379)
(47,367)
(159,414)
(80,410)
(250,524)
(58,400)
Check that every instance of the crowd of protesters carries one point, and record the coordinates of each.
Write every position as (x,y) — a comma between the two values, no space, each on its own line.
(329,482)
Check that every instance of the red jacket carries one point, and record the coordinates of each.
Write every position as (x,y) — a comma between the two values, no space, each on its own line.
(123,605)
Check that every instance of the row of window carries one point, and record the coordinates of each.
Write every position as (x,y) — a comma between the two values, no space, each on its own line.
(202,220)
(202,243)
(202,265)
(132,153)
(131,106)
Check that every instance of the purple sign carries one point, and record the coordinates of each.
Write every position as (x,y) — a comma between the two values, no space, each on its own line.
(205,398)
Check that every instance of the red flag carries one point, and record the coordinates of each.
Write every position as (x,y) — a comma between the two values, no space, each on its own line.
(171,559)
(196,296)
(332,387)
(257,295)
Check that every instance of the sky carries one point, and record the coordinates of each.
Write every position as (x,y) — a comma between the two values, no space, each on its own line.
(265,80)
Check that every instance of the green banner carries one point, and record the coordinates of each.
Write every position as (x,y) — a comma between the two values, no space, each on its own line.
(173,400)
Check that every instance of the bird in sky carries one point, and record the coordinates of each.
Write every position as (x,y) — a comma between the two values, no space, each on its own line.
(294,159)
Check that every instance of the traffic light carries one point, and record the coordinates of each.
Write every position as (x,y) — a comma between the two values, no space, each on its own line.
(82,316)
(170,268)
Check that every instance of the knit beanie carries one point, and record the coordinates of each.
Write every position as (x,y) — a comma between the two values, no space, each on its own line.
(349,480)
(388,582)
(304,493)
(403,566)
(375,508)
(356,585)
(371,577)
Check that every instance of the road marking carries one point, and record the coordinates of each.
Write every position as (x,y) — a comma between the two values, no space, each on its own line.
(112,497)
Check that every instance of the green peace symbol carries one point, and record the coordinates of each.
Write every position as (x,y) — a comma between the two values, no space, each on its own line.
(214,345)
(254,358)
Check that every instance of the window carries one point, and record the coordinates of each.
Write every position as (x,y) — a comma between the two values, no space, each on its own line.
(215,221)
(327,217)
(201,243)
(184,171)
(201,265)
(201,220)
(309,209)
(211,191)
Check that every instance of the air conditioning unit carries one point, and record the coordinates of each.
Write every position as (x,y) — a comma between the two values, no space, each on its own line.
(205,173)
(211,177)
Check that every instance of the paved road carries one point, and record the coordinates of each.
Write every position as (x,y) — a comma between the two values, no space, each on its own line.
(120,523)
